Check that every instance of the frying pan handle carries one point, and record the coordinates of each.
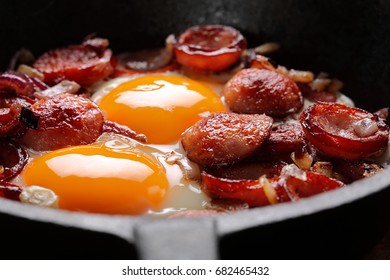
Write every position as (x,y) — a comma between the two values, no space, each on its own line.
(177,239)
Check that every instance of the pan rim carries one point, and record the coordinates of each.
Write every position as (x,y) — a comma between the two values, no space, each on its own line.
(123,225)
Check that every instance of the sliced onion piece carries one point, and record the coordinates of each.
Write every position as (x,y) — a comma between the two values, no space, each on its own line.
(365,127)
(13,158)
(269,190)
(323,167)
(10,191)
(39,196)
(60,88)
(302,158)
(19,83)
(30,71)
(156,60)
(267,48)
(315,95)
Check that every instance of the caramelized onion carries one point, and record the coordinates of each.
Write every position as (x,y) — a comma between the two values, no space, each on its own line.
(383,113)
(10,191)
(39,196)
(151,60)
(323,167)
(30,71)
(365,127)
(60,88)
(20,83)
(13,158)
(10,112)
(315,95)
(259,61)
(113,127)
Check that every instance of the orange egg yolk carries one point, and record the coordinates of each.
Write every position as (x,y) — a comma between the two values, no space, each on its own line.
(159,106)
(100,180)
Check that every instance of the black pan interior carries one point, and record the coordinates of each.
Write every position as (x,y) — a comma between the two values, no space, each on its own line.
(347,39)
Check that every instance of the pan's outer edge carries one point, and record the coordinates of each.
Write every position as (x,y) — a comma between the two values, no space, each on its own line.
(321,202)
(124,226)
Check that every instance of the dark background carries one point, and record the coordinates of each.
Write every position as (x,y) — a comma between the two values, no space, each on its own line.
(349,39)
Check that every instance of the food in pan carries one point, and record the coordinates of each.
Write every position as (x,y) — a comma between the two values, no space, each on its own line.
(205,125)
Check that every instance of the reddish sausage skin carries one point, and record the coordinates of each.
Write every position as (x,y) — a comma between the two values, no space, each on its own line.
(209,47)
(225,138)
(80,63)
(283,140)
(262,91)
(249,191)
(331,128)
(64,120)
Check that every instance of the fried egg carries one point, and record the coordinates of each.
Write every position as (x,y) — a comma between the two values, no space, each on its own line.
(118,175)
(97,179)
(160,106)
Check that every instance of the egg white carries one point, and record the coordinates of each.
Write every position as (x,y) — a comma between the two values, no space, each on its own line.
(183,175)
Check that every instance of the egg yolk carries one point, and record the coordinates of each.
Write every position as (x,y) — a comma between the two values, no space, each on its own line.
(100,180)
(161,107)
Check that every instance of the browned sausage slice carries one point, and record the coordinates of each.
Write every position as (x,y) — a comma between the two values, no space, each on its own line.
(283,140)
(344,132)
(209,47)
(262,91)
(64,120)
(225,138)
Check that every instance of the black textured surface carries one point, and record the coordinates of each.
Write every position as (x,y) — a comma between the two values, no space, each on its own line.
(349,39)
(347,232)
(28,239)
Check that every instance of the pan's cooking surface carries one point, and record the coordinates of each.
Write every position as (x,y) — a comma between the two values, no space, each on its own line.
(333,36)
